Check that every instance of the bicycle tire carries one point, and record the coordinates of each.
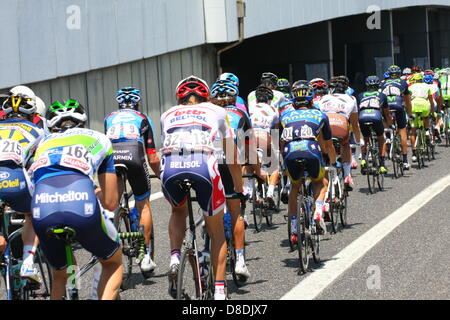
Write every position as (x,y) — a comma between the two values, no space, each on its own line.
(122,224)
(188,286)
(379,176)
(332,212)
(343,210)
(257,209)
(370,173)
(292,245)
(302,242)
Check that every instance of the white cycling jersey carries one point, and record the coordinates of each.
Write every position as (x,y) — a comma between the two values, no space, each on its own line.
(194,128)
(278,99)
(263,116)
(339,103)
(420,91)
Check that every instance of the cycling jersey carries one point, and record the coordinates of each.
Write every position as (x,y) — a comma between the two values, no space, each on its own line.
(444,80)
(339,103)
(127,125)
(371,104)
(300,130)
(263,116)
(419,99)
(188,135)
(395,91)
(193,128)
(240,104)
(278,99)
(75,150)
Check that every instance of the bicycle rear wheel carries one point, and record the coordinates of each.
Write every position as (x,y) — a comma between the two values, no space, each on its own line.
(333,211)
(370,170)
(188,278)
(122,224)
(42,291)
(257,209)
(302,241)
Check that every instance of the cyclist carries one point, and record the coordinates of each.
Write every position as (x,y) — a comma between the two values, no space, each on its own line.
(306,131)
(337,102)
(372,107)
(270,81)
(284,86)
(131,134)
(20,136)
(264,118)
(189,131)
(422,104)
(227,76)
(437,98)
(320,87)
(224,95)
(399,99)
(62,172)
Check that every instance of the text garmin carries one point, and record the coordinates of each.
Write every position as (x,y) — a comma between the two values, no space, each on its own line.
(61,197)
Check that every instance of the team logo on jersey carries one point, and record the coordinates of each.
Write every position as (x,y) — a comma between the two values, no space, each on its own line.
(4,175)
(6,184)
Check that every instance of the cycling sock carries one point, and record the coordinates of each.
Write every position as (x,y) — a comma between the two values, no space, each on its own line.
(175,256)
(294,224)
(347,168)
(319,207)
(219,292)
(240,255)
(28,254)
(270,190)
(382,161)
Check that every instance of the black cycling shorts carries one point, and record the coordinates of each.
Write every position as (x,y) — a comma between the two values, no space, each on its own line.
(132,155)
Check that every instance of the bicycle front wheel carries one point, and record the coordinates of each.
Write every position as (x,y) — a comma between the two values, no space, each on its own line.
(302,242)
(122,224)
(370,170)
(41,291)
(188,278)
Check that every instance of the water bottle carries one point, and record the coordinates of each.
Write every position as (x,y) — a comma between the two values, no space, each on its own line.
(203,260)
(134,218)
(227,225)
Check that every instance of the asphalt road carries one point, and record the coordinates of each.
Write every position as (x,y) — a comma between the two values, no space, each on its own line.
(411,262)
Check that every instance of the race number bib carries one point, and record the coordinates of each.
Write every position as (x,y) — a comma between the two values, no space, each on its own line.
(188,140)
(392,91)
(370,103)
(11,150)
(76,157)
(123,130)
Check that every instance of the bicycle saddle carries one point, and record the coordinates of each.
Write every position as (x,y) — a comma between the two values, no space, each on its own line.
(61,233)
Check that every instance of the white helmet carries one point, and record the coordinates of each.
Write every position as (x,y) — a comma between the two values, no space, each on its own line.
(21,100)
(40,106)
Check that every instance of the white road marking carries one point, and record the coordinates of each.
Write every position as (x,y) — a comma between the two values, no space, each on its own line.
(153,197)
(320,279)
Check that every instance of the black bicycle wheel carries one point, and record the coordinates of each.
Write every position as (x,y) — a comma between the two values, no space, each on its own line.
(379,175)
(394,157)
(370,170)
(302,241)
(257,209)
(333,213)
(343,209)
(188,281)
(42,291)
(314,241)
(122,224)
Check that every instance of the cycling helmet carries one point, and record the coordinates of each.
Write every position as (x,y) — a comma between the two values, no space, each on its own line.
(302,92)
(229,77)
(192,85)
(69,110)
(407,71)
(223,89)
(319,85)
(394,71)
(20,101)
(373,82)
(268,78)
(128,97)
(386,75)
(416,77)
(338,84)
(40,106)
(263,94)
(428,79)
(416,69)
(283,85)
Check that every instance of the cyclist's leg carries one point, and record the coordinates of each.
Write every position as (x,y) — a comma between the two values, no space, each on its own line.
(340,129)
(363,118)
(400,116)
(17,193)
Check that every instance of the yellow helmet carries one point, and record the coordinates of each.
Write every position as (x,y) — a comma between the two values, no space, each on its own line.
(417,77)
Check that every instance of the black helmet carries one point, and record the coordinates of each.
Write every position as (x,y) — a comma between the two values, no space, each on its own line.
(302,92)
(373,82)
(339,84)
(283,85)
(268,78)
(263,94)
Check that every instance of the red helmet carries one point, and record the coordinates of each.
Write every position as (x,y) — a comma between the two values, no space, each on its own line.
(431,72)
(319,84)
(416,69)
(192,84)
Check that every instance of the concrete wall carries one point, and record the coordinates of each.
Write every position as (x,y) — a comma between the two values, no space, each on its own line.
(156,77)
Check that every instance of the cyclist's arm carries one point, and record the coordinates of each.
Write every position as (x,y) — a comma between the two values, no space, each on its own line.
(150,148)
(234,167)
(2,243)
(408,104)
(431,100)
(108,195)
